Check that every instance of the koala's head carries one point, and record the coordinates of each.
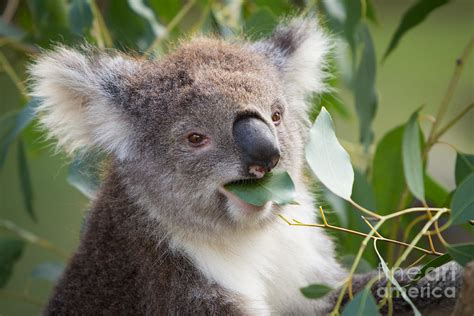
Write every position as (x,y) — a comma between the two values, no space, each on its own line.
(181,127)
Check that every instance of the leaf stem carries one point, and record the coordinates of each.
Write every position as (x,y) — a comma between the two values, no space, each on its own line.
(364,210)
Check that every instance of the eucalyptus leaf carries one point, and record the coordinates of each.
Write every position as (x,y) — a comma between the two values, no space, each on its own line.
(10,252)
(275,186)
(261,23)
(328,159)
(80,16)
(25,181)
(10,31)
(11,125)
(412,160)
(464,166)
(364,89)
(387,170)
(462,204)
(433,264)
(436,194)
(414,16)
(461,253)
(84,173)
(394,281)
(315,291)
(49,271)
(147,13)
(363,304)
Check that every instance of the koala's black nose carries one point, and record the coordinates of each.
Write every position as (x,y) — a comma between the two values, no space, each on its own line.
(257,143)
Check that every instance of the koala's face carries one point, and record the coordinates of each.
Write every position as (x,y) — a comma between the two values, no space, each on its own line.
(184,126)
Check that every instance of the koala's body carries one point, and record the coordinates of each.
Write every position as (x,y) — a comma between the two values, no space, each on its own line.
(163,235)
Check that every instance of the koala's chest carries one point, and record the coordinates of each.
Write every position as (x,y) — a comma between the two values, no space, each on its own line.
(269,269)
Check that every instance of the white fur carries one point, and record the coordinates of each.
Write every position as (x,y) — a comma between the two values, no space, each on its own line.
(74,108)
(304,69)
(268,267)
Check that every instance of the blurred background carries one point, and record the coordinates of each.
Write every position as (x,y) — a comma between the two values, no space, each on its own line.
(416,74)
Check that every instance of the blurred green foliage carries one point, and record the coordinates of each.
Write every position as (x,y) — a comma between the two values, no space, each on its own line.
(152,27)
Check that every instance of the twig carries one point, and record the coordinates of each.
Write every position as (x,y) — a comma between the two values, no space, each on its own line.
(173,23)
(454,121)
(32,238)
(450,91)
(20,297)
(10,10)
(103,35)
(13,76)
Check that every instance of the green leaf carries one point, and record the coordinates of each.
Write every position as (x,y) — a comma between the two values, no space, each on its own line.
(10,31)
(371,13)
(435,192)
(25,181)
(80,16)
(412,160)
(394,281)
(140,8)
(50,19)
(433,264)
(10,252)
(84,173)
(11,126)
(363,304)
(328,159)
(275,186)
(464,166)
(344,18)
(49,271)
(332,101)
(462,204)
(461,253)
(364,89)
(261,23)
(314,291)
(414,16)
(387,178)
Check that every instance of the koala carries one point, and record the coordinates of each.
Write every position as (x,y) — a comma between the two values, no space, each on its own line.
(163,235)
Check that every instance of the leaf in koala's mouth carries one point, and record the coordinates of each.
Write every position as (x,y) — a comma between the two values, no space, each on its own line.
(275,186)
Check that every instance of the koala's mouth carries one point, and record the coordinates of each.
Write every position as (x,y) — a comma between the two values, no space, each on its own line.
(238,202)
(243,181)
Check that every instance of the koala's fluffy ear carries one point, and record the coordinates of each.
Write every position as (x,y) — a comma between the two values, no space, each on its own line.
(298,49)
(77,91)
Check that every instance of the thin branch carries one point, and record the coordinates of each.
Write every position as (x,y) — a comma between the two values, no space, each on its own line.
(20,297)
(371,227)
(354,232)
(10,10)
(364,210)
(32,238)
(450,90)
(173,23)
(12,74)
(454,121)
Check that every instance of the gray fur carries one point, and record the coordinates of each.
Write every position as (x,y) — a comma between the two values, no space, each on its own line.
(158,189)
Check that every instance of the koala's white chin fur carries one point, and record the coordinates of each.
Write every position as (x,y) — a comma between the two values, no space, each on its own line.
(268,266)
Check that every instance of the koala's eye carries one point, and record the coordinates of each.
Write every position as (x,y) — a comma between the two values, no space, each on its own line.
(276,118)
(197,139)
